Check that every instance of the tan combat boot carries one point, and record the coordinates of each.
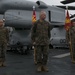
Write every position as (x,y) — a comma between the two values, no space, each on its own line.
(39,68)
(45,68)
(3,64)
(35,62)
(0,64)
(73,62)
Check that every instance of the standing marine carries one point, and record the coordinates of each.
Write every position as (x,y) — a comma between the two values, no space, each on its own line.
(71,40)
(4,37)
(40,37)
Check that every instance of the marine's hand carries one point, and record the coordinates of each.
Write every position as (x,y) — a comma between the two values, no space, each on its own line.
(69,42)
(34,43)
(8,44)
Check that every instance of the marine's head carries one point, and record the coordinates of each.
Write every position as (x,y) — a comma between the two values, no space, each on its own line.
(1,23)
(42,15)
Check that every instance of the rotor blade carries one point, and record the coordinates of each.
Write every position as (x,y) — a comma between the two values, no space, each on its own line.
(67,1)
(69,7)
(72,16)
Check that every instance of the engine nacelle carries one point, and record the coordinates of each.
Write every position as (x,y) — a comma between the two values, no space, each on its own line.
(41,4)
(18,18)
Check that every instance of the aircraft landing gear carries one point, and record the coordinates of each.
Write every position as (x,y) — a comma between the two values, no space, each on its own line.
(23,50)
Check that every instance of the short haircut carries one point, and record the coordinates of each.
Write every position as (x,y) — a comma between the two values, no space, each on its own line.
(1,20)
(42,12)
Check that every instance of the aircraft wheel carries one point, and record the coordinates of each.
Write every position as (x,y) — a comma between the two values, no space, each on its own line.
(27,49)
(50,46)
(20,50)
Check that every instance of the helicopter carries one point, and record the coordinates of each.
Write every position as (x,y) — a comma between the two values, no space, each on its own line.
(18,18)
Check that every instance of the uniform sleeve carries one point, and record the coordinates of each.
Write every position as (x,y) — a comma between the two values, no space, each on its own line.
(49,29)
(71,31)
(7,35)
(69,34)
(33,32)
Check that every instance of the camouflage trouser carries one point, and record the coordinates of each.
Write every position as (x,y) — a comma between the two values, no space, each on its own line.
(2,52)
(35,55)
(42,54)
(73,50)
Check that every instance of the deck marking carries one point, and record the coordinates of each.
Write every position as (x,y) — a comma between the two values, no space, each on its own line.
(61,55)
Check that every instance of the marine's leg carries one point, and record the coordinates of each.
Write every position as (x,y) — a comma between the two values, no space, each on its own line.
(35,55)
(0,55)
(73,52)
(3,54)
(45,58)
(1,62)
(39,58)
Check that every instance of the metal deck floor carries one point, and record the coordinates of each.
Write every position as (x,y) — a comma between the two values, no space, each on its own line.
(24,65)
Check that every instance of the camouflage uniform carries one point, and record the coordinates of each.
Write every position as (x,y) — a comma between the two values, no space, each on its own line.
(40,35)
(71,39)
(4,37)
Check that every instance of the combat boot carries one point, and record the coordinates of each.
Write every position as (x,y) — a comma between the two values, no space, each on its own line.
(35,62)
(45,68)
(3,64)
(0,64)
(39,68)
(73,62)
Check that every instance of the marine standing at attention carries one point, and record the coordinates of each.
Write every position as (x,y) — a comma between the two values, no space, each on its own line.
(40,36)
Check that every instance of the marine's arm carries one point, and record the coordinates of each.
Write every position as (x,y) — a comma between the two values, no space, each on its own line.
(7,34)
(69,35)
(49,29)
